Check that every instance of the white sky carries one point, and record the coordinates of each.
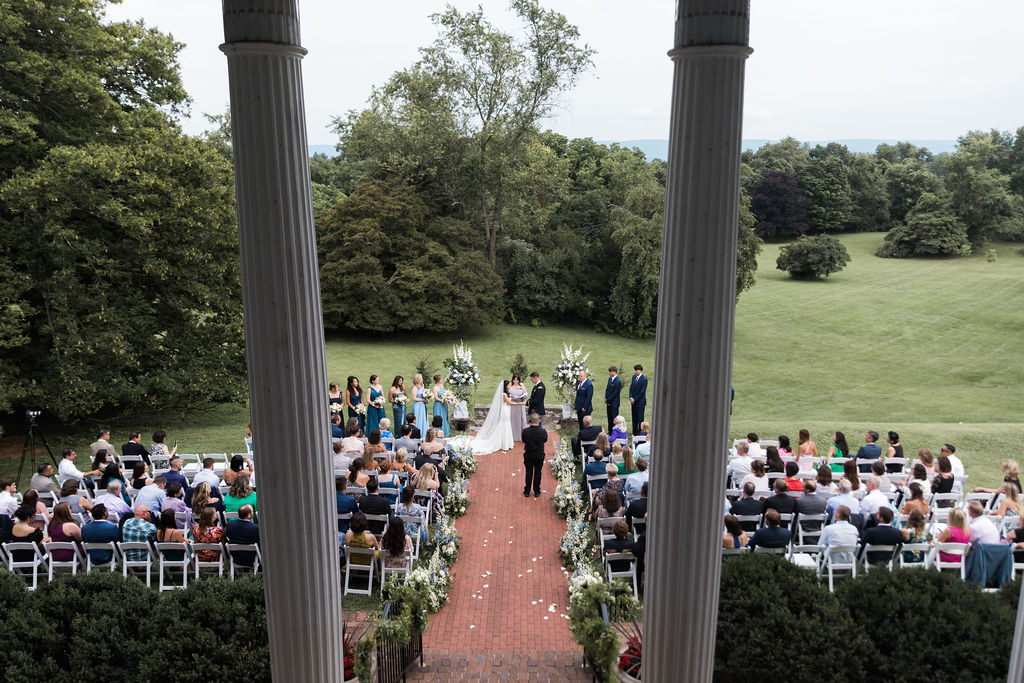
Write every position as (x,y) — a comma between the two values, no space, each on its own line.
(920,69)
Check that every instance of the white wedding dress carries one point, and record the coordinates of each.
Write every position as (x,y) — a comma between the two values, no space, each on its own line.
(496,432)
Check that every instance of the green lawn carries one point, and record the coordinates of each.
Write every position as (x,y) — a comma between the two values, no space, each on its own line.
(929,348)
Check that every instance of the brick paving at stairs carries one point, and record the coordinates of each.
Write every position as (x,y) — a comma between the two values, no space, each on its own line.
(503,620)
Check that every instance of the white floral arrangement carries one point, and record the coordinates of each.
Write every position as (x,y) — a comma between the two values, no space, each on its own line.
(460,446)
(446,539)
(432,579)
(462,371)
(462,462)
(360,409)
(577,546)
(401,399)
(449,399)
(566,374)
(336,408)
(580,580)
(378,402)
(569,501)
(456,500)
(563,463)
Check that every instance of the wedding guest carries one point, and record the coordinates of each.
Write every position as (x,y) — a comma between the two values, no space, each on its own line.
(824,480)
(614,483)
(406,441)
(386,479)
(795,484)
(851,472)
(734,536)
(419,406)
(949,451)
(916,500)
(202,499)
(426,478)
(373,443)
(239,464)
(918,474)
(167,531)
(354,403)
(627,466)
(643,450)
(8,503)
(397,398)
(24,531)
(42,480)
(612,394)
(67,470)
(110,472)
(175,501)
(1011,478)
(102,443)
(358,537)
(113,499)
(135,447)
(431,446)
(944,480)
(70,496)
(344,502)
(385,429)
(396,546)
(31,500)
(207,474)
(895,450)
(174,476)
(352,444)
(773,463)
(926,458)
(401,464)
(915,531)
(1011,504)
(241,493)
(158,448)
(784,448)
(440,407)
(101,530)
(619,544)
(336,431)
(754,445)
(610,504)
(356,475)
(207,531)
(63,529)
(878,470)
(806,447)
(956,531)
(635,482)
(139,478)
(758,476)
(409,508)
(589,432)
(245,532)
(618,430)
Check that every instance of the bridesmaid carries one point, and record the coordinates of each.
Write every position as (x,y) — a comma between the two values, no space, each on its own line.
(373,413)
(419,403)
(397,410)
(354,397)
(333,398)
(440,408)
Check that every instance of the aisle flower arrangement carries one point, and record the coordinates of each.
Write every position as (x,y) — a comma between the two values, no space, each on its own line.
(462,463)
(456,499)
(462,371)
(568,496)
(578,547)
(446,539)
(566,374)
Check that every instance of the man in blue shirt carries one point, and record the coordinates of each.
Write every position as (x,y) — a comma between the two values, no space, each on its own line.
(869,451)
(152,496)
(346,503)
(336,431)
(100,531)
(175,475)
(638,396)
(772,535)
(598,467)
(611,395)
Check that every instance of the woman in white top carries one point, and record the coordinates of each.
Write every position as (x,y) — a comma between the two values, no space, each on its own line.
(758,476)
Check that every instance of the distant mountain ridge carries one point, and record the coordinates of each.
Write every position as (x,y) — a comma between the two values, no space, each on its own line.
(658,149)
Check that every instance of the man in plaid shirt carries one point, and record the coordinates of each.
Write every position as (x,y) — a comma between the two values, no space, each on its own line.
(138,529)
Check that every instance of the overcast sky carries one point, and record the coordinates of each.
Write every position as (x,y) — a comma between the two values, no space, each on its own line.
(920,69)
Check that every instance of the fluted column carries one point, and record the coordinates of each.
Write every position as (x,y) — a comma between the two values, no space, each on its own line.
(693,354)
(284,340)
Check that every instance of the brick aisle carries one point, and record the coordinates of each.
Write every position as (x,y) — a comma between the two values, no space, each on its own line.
(503,620)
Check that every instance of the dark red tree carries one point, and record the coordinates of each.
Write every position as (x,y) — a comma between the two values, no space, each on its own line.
(780,206)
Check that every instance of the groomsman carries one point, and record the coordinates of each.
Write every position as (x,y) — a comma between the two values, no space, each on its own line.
(611,395)
(584,396)
(638,396)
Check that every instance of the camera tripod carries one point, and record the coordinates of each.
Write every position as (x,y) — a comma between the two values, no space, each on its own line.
(29,449)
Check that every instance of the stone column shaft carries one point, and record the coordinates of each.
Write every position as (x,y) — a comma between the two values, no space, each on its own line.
(1016,674)
(284,340)
(693,354)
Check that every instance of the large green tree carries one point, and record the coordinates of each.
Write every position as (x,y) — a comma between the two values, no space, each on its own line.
(826,183)
(932,229)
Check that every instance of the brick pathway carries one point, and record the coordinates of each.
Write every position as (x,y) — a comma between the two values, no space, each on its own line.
(504,619)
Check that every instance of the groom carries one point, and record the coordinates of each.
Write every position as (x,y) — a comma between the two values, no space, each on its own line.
(535,404)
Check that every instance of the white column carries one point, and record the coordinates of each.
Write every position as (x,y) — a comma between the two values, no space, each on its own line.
(693,354)
(1016,674)
(284,340)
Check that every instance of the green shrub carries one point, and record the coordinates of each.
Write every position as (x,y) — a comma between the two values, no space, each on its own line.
(519,367)
(811,257)
(776,623)
(930,626)
(932,229)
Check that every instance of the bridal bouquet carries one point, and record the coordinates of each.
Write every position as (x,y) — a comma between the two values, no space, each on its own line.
(566,374)
(378,402)
(462,371)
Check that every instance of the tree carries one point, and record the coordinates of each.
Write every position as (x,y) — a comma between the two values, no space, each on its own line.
(788,155)
(906,182)
(811,257)
(869,197)
(635,296)
(780,206)
(748,246)
(825,182)
(902,152)
(979,190)
(932,229)
(390,261)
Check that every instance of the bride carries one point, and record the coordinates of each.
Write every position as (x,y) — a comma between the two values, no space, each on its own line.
(496,432)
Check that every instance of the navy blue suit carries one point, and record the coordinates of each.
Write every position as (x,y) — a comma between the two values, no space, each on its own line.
(244,532)
(770,537)
(638,394)
(611,398)
(584,400)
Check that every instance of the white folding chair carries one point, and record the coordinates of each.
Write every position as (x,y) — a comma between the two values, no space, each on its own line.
(425,497)
(372,522)
(170,565)
(389,443)
(809,528)
(22,567)
(870,548)
(355,491)
(808,555)
(385,570)
(923,548)
(836,559)
(368,569)
(901,465)
(742,550)
(604,529)
(74,564)
(201,565)
(749,523)
(958,549)
(185,518)
(246,563)
(944,500)
(108,546)
(135,561)
(985,498)
(761,550)
(621,574)
(593,479)
(420,523)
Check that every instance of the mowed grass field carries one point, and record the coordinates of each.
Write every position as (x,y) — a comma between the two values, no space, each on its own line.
(929,348)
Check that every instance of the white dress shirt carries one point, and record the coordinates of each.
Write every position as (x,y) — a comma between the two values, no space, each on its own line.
(839,533)
(67,470)
(984,531)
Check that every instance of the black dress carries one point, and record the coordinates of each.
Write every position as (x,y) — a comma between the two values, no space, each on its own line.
(26,555)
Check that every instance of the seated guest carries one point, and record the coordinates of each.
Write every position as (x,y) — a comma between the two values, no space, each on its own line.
(431,447)
(758,476)
(8,503)
(747,506)
(100,461)
(613,482)
(844,498)
(42,480)
(356,474)
(385,429)
(784,448)
(610,504)
(430,450)
(152,496)
(63,529)
(1009,468)
(406,441)
(852,474)
(414,430)
(138,529)
(207,531)
(735,536)
(740,466)
(158,448)
(140,479)
(811,503)
(619,544)
(957,465)
(916,501)
(75,501)
(878,470)
(369,462)
(345,502)
(207,474)
(926,458)
(824,479)
(772,535)
(238,465)
(793,483)
(883,533)
(644,449)
(956,531)
(627,466)
(915,531)
(373,442)
(982,528)
(944,480)
(753,445)
(167,531)
(619,432)
(102,443)
(426,478)
(243,532)
(870,450)
(100,531)
(839,532)
(410,508)
(874,499)
(1011,504)
(31,500)
(134,447)
(637,509)
(340,461)
(358,537)
(596,468)
(175,501)
(113,501)
(111,472)
(773,463)
(920,475)
(336,431)
(386,479)
(634,482)
(588,432)
(401,464)
(374,504)
(67,470)
(202,500)
(781,502)
(602,443)
(396,546)
(240,494)
(352,443)
(175,475)
(25,532)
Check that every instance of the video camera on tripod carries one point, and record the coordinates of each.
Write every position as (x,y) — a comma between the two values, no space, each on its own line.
(30,441)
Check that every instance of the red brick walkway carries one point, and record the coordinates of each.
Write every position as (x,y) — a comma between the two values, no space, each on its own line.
(507,615)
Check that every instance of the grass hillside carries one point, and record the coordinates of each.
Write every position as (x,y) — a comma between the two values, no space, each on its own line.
(928,348)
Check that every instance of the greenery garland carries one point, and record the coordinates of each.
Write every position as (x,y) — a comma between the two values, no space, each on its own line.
(600,642)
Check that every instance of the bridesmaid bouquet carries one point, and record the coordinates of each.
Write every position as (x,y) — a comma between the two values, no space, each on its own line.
(336,408)
(378,402)
(360,409)
(449,399)
(401,399)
